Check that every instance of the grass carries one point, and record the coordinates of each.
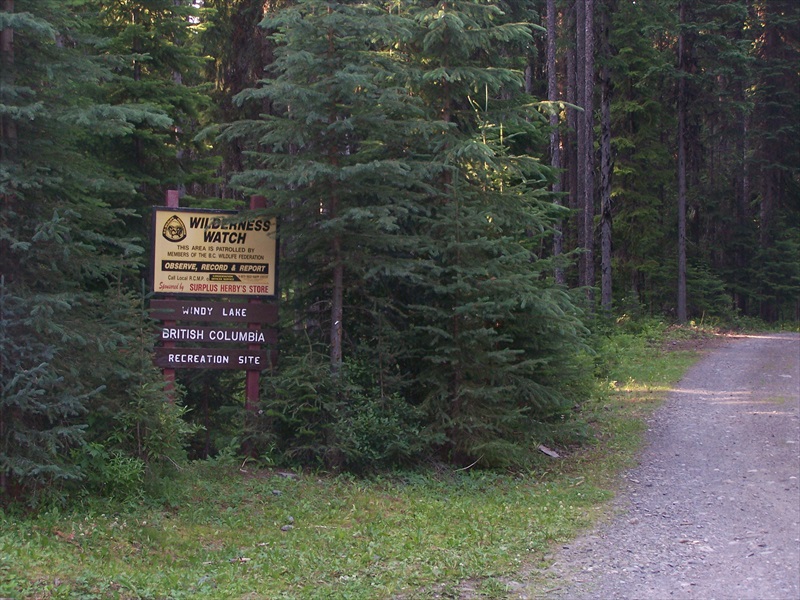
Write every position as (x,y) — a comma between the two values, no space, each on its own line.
(256,533)
(348,538)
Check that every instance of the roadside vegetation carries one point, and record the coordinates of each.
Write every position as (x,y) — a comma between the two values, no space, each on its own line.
(224,528)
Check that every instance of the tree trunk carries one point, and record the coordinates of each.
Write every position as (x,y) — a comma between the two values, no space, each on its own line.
(682,100)
(337,306)
(588,149)
(8,129)
(555,139)
(772,122)
(568,157)
(606,171)
(580,153)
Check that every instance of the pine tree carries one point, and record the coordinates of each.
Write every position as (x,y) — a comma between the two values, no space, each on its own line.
(331,156)
(238,51)
(643,174)
(775,162)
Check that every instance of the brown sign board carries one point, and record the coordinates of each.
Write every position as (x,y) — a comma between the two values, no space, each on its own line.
(218,335)
(217,358)
(213,252)
(221,312)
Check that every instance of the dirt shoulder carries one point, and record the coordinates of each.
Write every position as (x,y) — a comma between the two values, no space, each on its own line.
(713,509)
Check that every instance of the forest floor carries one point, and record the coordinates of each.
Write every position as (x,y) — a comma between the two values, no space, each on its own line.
(712,510)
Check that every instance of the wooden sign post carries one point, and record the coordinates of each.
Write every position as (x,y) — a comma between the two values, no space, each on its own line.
(173,200)
(214,254)
(251,378)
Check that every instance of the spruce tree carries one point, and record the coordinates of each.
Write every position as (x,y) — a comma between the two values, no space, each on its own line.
(153,46)
(332,155)
(494,339)
(393,150)
(65,255)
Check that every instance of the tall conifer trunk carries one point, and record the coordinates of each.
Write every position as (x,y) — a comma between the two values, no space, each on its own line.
(8,129)
(580,125)
(606,170)
(555,138)
(682,101)
(588,149)
(337,306)
(337,283)
(772,81)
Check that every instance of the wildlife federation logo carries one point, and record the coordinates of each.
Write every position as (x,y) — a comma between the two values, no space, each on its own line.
(174,229)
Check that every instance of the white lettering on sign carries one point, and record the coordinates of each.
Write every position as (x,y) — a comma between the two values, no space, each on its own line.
(200,311)
(249,360)
(200,359)
(234,312)
(176,333)
(227,335)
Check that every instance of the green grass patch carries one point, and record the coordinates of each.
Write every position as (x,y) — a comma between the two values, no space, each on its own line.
(261,535)
(234,532)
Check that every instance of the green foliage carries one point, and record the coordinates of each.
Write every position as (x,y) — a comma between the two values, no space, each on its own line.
(346,422)
(112,473)
(39,409)
(487,327)
(402,157)
(349,538)
(157,82)
(401,165)
(741,182)
(75,340)
(776,271)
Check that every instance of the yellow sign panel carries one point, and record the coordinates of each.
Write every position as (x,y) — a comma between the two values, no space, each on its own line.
(201,252)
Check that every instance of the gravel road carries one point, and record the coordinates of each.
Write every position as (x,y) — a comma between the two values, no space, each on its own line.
(713,509)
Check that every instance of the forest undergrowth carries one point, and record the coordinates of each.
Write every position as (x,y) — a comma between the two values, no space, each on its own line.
(225,528)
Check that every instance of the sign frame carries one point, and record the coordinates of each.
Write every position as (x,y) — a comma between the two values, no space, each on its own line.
(246,268)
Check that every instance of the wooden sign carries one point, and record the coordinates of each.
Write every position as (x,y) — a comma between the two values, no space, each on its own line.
(205,358)
(203,252)
(231,312)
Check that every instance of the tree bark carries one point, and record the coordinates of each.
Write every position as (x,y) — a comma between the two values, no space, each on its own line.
(569,155)
(588,149)
(555,138)
(606,172)
(8,129)
(682,101)
(337,283)
(337,306)
(580,153)
(772,122)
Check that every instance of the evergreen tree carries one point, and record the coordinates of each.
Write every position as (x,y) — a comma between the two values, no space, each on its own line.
(239,50)
(63,248)
(775,159)
(393,154)
(487,325)
(332,157)
(154,48)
